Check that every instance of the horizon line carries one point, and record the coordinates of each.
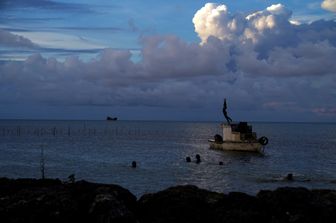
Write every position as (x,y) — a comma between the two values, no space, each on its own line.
(166,120)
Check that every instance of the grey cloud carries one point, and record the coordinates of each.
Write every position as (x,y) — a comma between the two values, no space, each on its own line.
(12,40)
(112,79)
(304,60)
(317,31)
(294,35)
(170,56)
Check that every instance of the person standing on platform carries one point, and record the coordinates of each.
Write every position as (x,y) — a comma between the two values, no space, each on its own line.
(228,119)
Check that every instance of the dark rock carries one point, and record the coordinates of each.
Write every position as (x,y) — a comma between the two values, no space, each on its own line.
(191,204)
(30,200)
(112,205)
(108,208)
(9,186)
(300,204)
(178,204)
(239,207)
(325,200)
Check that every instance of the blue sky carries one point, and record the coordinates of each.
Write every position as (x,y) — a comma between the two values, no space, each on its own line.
(147,53)
(87,25)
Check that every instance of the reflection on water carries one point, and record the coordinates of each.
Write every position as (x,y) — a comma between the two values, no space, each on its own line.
(103,151)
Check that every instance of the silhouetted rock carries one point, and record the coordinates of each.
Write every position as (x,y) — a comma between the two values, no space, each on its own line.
(240,207)
(289,204)
(111,205)
(191,204)
(30,200)
(178,204)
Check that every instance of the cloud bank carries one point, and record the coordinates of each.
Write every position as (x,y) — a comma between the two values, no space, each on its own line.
(261,62)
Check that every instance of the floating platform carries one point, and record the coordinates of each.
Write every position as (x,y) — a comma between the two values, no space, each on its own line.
(238,137)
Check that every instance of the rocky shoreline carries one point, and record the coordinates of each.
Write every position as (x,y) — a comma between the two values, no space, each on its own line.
(51,200)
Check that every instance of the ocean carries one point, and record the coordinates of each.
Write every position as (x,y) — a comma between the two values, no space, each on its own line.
(102,151)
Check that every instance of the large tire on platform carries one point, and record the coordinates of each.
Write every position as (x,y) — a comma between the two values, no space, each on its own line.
(263,141)
(218,138)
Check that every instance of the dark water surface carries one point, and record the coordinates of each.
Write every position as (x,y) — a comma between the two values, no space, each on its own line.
(102,151)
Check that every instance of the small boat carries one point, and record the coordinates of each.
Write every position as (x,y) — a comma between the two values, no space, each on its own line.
(111,119)
(238,137)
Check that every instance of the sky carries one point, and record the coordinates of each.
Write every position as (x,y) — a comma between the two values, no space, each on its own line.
(168,60)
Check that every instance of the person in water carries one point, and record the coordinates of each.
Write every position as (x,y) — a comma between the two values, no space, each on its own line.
(289,177)
(228,119)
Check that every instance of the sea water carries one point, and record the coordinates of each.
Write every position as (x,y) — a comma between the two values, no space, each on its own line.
(102,151)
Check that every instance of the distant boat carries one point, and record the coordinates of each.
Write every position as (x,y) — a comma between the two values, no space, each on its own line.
(111,119)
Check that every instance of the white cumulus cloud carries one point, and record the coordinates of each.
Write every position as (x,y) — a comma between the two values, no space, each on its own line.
(329,5)
(215,20)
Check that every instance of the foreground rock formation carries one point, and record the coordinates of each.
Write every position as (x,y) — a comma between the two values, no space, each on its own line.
(30,200)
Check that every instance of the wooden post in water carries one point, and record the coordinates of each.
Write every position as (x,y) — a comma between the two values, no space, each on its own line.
(42,162)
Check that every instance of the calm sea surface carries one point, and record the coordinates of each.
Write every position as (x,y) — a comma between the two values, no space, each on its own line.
(102,151)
